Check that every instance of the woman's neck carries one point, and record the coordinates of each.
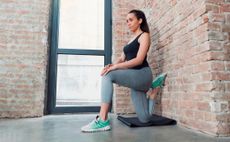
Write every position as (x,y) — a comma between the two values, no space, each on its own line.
(137,32)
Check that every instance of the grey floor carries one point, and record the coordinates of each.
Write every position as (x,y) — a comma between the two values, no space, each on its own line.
(66,128)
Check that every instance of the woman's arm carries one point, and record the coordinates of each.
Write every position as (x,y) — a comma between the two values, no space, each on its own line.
(144,41)
(120,59)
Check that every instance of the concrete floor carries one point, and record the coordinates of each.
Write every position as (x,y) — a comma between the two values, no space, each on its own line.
(66,128)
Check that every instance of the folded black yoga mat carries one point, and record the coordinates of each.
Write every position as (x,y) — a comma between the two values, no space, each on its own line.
(156,120)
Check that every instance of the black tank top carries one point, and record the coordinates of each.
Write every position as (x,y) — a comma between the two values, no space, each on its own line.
(131,50)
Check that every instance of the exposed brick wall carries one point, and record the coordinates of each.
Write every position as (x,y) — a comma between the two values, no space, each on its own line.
(121,36)
(23,56)
(190,41)
(219,41)
(181,48)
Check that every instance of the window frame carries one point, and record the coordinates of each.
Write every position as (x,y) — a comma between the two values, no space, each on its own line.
(55,51)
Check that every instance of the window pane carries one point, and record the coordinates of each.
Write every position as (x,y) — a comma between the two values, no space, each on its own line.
(79,80)
(81,24)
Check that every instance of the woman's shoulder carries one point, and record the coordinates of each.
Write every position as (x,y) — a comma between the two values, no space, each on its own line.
(144,36)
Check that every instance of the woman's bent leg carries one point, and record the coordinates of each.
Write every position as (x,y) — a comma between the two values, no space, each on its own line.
(141,105)
(136,79)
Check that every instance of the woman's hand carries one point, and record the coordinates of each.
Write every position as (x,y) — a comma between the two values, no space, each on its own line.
(105,69)
(108,68)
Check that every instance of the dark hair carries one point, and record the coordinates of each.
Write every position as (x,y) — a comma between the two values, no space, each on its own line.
(140,15)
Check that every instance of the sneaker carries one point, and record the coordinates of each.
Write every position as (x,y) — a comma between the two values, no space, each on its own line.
(97,125)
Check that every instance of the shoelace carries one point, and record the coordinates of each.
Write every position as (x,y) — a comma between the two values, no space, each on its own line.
(95,120)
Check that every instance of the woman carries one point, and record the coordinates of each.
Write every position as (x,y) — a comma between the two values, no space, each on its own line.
(130,70)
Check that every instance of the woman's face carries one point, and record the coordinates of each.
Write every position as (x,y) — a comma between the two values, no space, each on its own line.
(132,22)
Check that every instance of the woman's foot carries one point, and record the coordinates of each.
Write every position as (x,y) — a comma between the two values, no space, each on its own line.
(152,96)
(153,93)
(156,85)
(97,125)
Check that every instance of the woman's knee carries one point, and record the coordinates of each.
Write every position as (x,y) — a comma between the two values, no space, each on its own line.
(106,77)
(144,119)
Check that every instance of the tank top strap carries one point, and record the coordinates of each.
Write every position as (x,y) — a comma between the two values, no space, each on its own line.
(139,35)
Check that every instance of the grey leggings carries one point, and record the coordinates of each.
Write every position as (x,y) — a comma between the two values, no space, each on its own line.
(138,80)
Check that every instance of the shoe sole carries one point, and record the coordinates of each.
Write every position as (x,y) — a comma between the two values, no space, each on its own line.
(107,128)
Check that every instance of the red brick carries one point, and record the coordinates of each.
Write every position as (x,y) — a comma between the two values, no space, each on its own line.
(216,55)
(215,35)
(173,2)
(186,104)
(209,116)
(226,95)
(227,66)
(206,76)
(226,28)
(212,7)
(204,87)
(227,18)
(221,76)
(203,106)
(215,45)
(199,115)
(215,75)
(215,1)
(202,67)
(223,118)
(217,17)
(214,26)
(218,66)
(208,127)
(227,86)
(225,8)
(224,129)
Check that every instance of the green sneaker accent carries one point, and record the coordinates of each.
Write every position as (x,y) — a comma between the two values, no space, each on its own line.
(158,81)
(97,125)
